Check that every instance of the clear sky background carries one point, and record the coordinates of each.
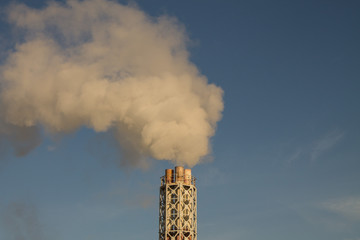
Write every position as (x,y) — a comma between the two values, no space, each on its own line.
(286,154)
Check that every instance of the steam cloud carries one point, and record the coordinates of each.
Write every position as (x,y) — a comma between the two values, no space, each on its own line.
(108,66)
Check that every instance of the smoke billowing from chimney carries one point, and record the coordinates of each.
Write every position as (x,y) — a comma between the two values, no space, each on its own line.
(107,66)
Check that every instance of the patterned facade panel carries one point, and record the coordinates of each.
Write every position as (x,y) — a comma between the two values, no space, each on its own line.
(177,212)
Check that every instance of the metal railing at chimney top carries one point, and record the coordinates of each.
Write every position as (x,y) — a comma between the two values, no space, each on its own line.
(173,180)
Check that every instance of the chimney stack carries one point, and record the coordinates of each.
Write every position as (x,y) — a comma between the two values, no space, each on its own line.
(178,205)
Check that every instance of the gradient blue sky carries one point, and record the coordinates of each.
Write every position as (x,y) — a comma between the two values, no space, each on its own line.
(286,153)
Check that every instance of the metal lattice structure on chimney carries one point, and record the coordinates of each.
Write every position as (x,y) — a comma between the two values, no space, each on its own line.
(178,205)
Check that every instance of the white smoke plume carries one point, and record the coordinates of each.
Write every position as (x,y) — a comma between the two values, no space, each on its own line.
(108,66)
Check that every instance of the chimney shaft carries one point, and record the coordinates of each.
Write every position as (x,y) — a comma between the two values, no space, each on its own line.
(179,171)
(169,175)
(178,205)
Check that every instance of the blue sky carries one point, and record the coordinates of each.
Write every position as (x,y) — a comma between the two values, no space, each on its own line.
(285,154)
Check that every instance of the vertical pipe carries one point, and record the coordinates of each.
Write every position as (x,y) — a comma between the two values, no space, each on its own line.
(179,171)
(169,175)
(187,176)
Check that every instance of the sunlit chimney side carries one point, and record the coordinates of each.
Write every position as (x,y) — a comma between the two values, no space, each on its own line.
(178,205)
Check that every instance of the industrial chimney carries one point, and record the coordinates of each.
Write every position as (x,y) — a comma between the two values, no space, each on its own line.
(178,204)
